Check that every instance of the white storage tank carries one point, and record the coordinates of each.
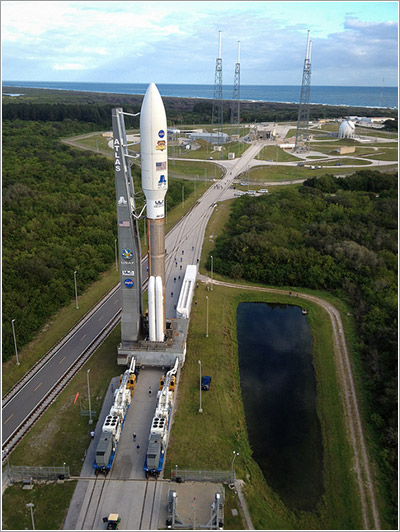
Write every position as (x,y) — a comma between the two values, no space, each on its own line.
(347,129)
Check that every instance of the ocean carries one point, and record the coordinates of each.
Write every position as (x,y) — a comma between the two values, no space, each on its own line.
(386,97)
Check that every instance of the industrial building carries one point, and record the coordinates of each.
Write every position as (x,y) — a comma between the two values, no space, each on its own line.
(212,138)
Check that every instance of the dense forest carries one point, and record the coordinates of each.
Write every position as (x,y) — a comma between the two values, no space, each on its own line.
(338,235)
(73,105)
(59,215)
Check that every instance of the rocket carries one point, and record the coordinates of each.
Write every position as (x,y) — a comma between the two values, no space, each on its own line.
(154,157)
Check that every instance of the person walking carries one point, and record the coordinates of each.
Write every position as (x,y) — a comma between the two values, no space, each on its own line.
(92,434)
(149,390)
(134,437)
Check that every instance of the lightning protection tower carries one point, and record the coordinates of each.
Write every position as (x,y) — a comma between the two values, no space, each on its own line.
(217,110)
(235,108)
(302,135)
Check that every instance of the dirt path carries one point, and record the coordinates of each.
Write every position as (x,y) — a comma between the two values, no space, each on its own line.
(352,414)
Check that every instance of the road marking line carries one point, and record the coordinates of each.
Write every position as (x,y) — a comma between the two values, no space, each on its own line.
(8,419)
(38,386)
(63,358)
(116,301)
(101,317)
(84,336)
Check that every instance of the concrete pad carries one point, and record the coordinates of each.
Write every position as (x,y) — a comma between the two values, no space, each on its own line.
(194,500)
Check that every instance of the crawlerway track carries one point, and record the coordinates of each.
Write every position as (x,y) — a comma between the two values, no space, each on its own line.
(352,413)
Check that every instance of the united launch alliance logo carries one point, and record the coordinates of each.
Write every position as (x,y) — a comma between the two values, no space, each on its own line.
(161,145)
(127,254)
(128,283)
(161,133)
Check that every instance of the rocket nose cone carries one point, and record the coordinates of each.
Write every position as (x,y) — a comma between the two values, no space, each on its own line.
(152,90)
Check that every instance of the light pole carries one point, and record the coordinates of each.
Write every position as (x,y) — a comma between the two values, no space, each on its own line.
(200,409)
(88,391)
(235,454)
(183,196)
(76,291)
(212,268)
(116,255)
(207,318)
(31,505)
(15,341)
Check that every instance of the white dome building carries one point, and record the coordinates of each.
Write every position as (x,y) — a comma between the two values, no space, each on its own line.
(347,129)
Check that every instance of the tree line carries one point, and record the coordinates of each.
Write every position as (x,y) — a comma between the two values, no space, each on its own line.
(52,105)
(338,235)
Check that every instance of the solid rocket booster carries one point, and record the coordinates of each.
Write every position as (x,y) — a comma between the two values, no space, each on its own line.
(154,156)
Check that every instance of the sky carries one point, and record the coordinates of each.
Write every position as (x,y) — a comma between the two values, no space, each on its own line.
(353,43)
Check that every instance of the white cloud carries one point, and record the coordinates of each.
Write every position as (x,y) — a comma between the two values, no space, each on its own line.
(69,66)
(178,42)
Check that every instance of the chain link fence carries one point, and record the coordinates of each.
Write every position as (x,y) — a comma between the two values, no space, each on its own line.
(30,473)
(202,475)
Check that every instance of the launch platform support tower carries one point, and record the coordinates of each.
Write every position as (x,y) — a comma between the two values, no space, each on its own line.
(302,135)
(235,109)
(217,110)
(128,237)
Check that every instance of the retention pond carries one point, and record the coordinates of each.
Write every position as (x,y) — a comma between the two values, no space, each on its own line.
(279,394)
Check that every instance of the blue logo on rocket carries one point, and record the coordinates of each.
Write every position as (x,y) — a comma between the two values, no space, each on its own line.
(128,283)
(161,133)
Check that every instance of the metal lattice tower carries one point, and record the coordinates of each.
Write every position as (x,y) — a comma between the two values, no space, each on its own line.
(235,109)
(217,110)
(302,135)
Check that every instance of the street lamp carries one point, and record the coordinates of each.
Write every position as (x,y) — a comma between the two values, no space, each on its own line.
(235,454)
(15,341)
(76,291)
(88,391)
(212,267)
(200,409)
(116,255)
(207,317)
(31,505)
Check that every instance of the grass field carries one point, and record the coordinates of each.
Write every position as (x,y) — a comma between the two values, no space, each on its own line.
(187,169)
(263,174)
(276,154)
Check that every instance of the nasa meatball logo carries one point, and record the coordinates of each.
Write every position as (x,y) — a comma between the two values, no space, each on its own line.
(161,145)
(127,254)
(161,133)
(128,283)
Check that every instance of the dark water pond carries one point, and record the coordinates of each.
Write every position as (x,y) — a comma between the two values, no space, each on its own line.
(279,394)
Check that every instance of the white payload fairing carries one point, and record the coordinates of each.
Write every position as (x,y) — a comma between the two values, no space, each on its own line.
(154,156)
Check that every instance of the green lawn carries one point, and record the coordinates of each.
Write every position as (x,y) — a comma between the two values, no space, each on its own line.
(188,169)
(276,154)
(262,174)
